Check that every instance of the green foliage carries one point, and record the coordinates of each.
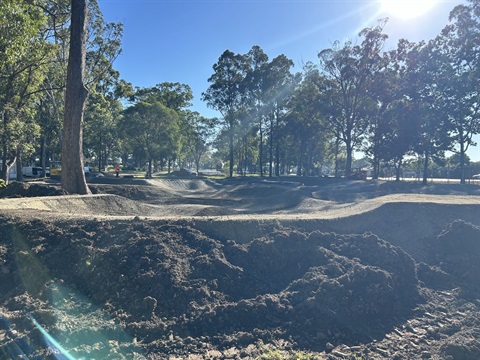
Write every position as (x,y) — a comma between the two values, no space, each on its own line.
(175,96)
(350,71)
(151,130)
(24,54)
(2,184)
(276,354)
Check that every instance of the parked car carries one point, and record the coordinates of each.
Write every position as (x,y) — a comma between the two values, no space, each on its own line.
(33,171)
(476,176)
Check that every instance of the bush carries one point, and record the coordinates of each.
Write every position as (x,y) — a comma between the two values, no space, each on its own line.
(2,184)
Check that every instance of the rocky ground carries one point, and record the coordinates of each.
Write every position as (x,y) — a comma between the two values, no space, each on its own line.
(224,269)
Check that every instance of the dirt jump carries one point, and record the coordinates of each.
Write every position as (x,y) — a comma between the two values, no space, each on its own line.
(287,268)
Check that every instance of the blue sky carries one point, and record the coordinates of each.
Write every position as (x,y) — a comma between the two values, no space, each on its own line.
(180,40)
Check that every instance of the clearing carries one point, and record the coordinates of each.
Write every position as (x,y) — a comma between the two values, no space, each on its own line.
(240,268)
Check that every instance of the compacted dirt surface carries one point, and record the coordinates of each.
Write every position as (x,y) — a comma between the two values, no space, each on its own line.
(289,268)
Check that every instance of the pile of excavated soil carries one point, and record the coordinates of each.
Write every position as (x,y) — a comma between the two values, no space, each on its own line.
(164,274)
(154,279)
(19,189)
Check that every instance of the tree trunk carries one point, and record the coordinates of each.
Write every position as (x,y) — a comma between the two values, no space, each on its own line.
(398,167)
(4,165)
(277,148)
(230,136)
(19,164)
(44,156)
(8,165)
(73,176)
(260,159)
(100,152)
(462,161)
(270,150)
(337,146)
(425,169)
(300,158)
(376,164)
(277,159)
(197,165)
(348,165)
(4,148)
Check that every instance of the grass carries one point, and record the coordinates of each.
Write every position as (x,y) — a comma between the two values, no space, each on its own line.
(279,355)
(270,353)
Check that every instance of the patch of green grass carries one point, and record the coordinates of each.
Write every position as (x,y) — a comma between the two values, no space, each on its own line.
(276,354)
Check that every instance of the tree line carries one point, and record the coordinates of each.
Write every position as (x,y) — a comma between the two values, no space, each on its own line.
(419,99)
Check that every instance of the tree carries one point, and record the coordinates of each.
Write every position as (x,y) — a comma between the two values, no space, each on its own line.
(102,114)
(277,89)
(200,131)
(351,70)
(399,132)
(152,129)
(24,53)
(255,97)
(175,96)
(73,177)
(390,132)
(424,97)
(458,50)
(226,93)
(304,120)
(51,102)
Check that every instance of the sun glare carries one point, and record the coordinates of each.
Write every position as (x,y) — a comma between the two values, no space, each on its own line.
(407,9)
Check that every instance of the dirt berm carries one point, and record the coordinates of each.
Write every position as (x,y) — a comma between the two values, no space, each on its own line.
(193,268)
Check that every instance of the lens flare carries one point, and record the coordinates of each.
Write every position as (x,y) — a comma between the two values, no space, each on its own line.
(407,9)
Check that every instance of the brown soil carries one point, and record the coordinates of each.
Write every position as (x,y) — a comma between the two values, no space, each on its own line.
(225,269)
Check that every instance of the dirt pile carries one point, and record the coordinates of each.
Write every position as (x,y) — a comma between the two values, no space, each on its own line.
(158,279)
(23,189)
(457,252)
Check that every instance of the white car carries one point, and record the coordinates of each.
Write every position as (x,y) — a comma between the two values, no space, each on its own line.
(477,176)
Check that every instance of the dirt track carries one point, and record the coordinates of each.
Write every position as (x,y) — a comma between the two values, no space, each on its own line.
(234,269)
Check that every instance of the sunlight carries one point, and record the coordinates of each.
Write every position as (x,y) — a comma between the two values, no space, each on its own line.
(335,21)
(407,9)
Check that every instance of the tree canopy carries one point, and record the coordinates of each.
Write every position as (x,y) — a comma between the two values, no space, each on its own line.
(413,103)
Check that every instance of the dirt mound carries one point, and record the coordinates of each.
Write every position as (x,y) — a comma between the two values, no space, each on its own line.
(158,279)
(81,205)
(23,189)
(305,286)
(464,345)
(457,252)
(352,191)
(121,180)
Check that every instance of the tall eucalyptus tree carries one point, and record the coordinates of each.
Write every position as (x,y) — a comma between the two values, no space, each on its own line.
(278,85)
(199,137)
(73,176)
(457,76)
(425,101)
(254,80)
(226,94)
(24,53)
(351,69)
(304,119)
